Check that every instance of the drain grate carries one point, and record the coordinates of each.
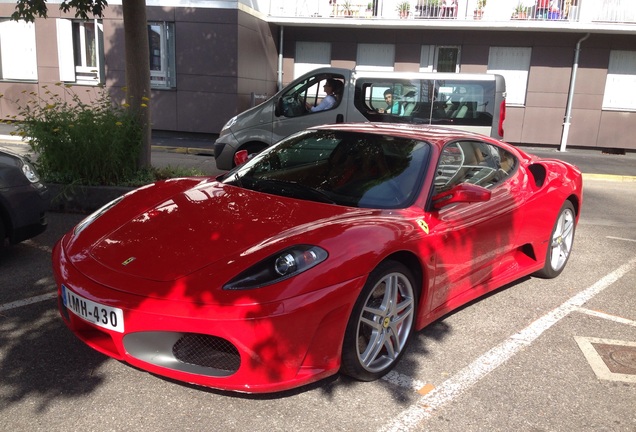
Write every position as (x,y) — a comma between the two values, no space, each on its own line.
(612,360)
(618,359)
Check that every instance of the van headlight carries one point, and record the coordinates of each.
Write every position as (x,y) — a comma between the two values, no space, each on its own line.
(231,122)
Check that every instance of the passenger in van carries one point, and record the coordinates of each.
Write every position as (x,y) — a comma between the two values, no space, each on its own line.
(392,106)
(333,88)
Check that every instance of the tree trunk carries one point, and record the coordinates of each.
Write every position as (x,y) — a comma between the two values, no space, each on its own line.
(138,71)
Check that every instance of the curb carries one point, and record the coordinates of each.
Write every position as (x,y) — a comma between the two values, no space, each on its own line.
(609,177)
(184,150)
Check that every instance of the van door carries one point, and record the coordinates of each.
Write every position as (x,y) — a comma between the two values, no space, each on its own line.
(293,107)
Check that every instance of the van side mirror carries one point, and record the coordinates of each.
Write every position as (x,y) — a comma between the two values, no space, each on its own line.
(462,193)
(278,108)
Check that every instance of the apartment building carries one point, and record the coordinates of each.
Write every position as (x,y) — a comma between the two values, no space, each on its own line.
(570,65)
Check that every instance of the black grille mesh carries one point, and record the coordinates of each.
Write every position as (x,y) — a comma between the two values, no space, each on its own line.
(207,351)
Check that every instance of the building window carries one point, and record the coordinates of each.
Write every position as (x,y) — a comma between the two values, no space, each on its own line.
(376,57)
(447,59)
(439,58)
(18,59)
(310,56)
(162,55)
(80,51)
(427,58)
(513,63)
(621,81)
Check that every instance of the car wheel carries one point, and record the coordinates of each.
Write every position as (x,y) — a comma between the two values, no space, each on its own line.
(561,241)
(3,234)
(381,323)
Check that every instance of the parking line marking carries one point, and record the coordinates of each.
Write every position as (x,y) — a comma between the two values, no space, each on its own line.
(27,301)
(466,378)
(621,238)
(33,244)
(607,316)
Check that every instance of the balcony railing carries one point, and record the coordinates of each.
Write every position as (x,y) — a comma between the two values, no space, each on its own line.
(586,11)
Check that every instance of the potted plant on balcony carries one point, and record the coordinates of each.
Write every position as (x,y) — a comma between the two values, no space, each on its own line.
(347,9)
(404,8)
(520,12)
(479,10)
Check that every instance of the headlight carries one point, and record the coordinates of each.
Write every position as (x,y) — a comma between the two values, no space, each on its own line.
(29,172)
(228,125)
(283,265)
(86,222)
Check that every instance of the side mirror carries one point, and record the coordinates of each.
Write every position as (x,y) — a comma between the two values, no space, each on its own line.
(240,157)
(278,108)
(462,193)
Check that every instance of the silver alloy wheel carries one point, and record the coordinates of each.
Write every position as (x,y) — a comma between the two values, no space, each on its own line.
(385,323)
(562,239)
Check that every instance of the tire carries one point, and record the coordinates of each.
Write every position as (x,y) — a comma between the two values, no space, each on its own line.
(561,240)
(381,322)
(3,233)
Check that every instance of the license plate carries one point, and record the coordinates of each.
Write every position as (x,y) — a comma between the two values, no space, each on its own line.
(98,314)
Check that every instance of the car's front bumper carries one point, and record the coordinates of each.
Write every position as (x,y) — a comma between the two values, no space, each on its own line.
(224,148)
(247,348)
(26,207)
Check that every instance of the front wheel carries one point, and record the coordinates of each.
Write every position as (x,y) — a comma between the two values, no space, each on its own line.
(561,241)
(381,323)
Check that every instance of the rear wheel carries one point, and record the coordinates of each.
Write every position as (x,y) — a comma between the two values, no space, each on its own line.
(3,233)
(561,241)
(381,323)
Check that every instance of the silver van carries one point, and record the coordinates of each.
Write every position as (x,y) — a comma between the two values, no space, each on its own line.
(473,102)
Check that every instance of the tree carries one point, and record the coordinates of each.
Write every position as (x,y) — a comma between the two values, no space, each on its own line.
(136,45)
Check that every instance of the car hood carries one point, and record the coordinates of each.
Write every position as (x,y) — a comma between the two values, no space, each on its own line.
(196,227)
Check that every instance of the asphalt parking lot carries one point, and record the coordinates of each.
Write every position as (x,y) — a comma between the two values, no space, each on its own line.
(518,359)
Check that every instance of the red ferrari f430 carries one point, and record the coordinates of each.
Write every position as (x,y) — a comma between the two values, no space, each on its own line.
(321,254)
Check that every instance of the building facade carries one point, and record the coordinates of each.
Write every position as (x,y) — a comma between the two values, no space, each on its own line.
(570,65)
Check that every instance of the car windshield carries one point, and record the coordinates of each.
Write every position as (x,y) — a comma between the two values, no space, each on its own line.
(338,167)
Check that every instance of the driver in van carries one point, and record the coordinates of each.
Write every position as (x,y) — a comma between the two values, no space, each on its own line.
(333,88)
(392,107)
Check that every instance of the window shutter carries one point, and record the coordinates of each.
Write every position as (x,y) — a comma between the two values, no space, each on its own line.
(65,50)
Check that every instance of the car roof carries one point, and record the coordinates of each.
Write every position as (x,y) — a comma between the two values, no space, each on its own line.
(433,134)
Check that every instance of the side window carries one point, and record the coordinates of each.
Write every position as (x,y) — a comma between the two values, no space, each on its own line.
(469,103)
(385,100)
(473,162)
(310,95)
(162,57)
(80,51)
(456,102)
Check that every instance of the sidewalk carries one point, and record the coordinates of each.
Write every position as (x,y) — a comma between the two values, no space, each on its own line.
(592,162)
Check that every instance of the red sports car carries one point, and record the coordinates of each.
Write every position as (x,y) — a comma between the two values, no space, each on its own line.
(321,254)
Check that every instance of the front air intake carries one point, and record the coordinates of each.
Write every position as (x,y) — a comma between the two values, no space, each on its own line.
(207,351)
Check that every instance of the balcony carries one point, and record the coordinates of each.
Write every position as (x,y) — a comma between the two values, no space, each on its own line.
(540,12)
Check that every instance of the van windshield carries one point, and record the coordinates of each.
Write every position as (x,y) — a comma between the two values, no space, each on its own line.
(427,101)
(339,167)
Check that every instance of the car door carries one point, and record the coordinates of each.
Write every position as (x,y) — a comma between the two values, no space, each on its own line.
(474,237)
(291,114)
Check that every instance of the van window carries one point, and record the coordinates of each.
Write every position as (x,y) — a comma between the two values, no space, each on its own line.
(428,101)
(308,92)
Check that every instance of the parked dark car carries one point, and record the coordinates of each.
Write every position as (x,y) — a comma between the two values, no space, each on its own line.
(24,200)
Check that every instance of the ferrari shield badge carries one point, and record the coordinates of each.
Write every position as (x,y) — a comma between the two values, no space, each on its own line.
(128,261)
(423,225)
